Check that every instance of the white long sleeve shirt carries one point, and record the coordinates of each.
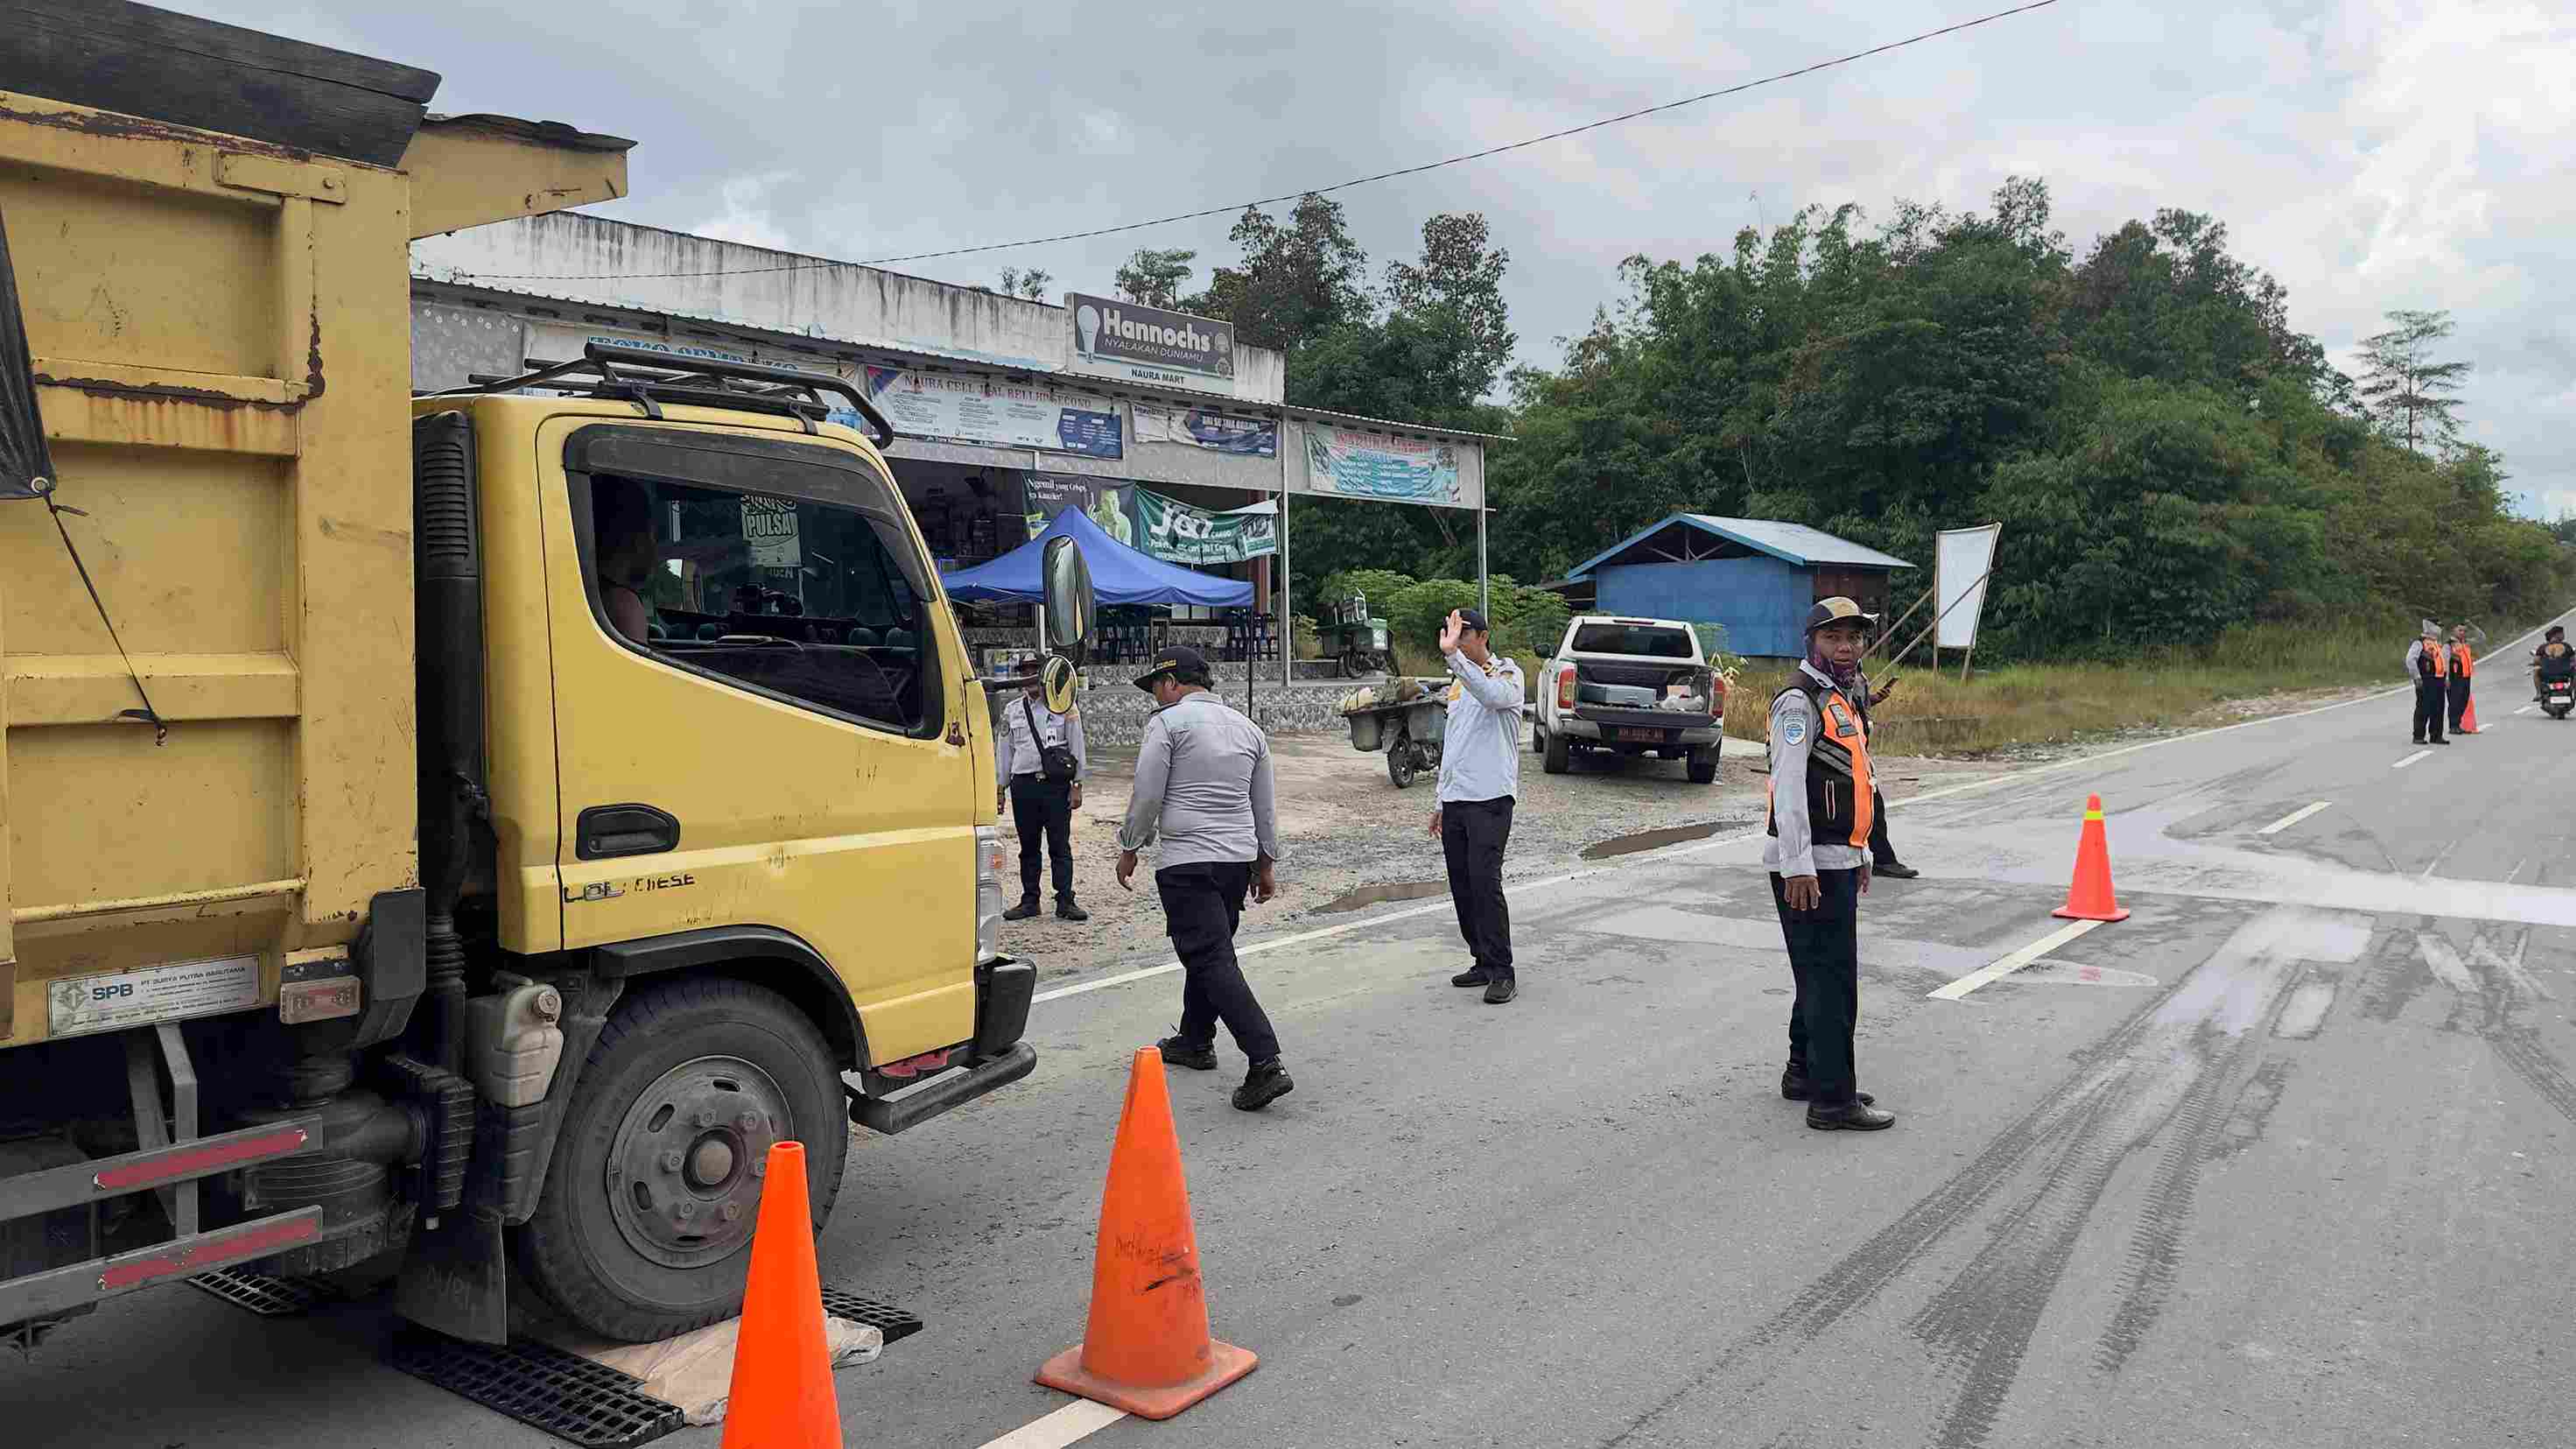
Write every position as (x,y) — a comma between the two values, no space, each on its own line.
(1017,750)
(1480,748)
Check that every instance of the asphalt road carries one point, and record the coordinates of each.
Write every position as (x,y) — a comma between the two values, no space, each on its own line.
(2283,1159)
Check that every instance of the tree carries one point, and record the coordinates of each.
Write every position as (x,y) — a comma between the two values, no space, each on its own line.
(2405,389)
(1457,287)
(1153,278)
(1295,282)
(1030,285)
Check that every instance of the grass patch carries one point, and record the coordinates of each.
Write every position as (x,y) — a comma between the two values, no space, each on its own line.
(2026,704)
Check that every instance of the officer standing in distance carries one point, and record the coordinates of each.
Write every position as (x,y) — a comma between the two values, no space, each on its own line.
(1480,775)
(1203,785)
(1041,759)
(2429,663)
(2462,668)
(1818,856)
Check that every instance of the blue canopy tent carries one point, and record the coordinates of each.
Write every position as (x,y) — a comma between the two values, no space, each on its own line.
(1119,574)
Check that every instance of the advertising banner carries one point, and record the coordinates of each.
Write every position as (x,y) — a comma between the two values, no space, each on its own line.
(1176,532)
(1348,464)
(1049,494)
(1119,339)
(1216,432)
(1961,559)
(972,410)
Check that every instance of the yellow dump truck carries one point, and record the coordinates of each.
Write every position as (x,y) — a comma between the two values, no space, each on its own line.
(443,839)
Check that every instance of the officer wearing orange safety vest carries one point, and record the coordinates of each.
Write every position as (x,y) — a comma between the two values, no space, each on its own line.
(2462,668)
(2430,663)
(1823,802)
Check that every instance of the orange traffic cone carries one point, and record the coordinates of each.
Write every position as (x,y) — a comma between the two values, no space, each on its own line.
(1146,1349)
(782,1366)
(2089,898)
(2469,716)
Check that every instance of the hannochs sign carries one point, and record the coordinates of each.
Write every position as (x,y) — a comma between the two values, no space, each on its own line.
(1147,344)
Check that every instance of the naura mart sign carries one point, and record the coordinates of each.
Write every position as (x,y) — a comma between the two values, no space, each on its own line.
(1113,338)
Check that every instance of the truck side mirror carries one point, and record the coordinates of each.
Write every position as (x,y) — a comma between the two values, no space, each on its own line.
(1071,611)
(1055,681)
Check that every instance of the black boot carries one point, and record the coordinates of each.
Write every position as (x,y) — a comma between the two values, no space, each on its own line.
(1026,910)
(1181,1054)
(1501,988)
(1066,910)
(1266,1083)
(1895,870)
(1848,1117)
(1472,976)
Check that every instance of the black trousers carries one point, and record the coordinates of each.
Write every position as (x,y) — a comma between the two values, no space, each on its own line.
(1043,810)
(1880,852)
(1202,904)
(2459,701)
(2430,701)
(1472,835)
(1824,960)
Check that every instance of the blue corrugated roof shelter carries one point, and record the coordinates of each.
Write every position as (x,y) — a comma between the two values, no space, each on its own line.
(1756,577)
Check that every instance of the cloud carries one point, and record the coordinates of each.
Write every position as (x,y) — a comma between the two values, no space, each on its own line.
(2372,154)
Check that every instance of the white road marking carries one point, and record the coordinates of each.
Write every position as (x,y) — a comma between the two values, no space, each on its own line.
(2526,709)
(1078,1420)
(2014,962)
(1722,842)
(2293,818)
(2410,759)
(2438,859)
(2444,959)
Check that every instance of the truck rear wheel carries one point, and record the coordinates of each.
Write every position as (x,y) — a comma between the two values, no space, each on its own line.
(644,1227)
(1703,764)
(1556,756)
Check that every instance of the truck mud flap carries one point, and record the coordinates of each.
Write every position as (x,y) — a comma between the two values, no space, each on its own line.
(942,1093)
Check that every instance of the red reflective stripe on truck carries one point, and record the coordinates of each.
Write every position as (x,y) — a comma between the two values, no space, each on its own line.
(190,1160)
(213,1250)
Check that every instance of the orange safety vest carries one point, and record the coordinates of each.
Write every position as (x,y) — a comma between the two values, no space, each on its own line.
(2460,662)
(1842,795)
(2436,661)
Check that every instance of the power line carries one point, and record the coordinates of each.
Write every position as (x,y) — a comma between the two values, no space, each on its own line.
(1738,89)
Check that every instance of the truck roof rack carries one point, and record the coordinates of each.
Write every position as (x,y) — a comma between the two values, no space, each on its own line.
(649,379)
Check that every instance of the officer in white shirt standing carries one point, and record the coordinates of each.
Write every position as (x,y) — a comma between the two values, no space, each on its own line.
(1480,774)
(1040,762)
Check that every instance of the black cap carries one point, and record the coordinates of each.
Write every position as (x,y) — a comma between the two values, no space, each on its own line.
(1836,610)
(1475,619)
(1176,659)
(1032,666)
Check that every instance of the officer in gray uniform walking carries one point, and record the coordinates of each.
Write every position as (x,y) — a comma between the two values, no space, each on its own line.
(1203,785)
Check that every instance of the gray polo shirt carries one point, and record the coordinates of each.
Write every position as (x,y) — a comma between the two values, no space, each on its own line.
(1795,851)
(1203,786)
(1480,748)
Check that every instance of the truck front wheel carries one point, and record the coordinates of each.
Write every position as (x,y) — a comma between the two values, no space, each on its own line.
(644,1227)
(1556,756)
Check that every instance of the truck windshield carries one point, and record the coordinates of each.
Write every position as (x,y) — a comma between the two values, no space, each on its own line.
(1642,640)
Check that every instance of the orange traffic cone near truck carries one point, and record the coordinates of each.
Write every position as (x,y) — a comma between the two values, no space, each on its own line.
(782,1364)
(1147,1349)
(2089,898)
(2469,715)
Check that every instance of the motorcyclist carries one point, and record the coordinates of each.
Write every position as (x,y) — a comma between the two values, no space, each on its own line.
(2554,657)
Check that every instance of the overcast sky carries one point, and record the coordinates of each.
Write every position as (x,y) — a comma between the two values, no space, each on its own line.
(2372,154)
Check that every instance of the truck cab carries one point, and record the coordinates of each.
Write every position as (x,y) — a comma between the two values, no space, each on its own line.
(1630,687)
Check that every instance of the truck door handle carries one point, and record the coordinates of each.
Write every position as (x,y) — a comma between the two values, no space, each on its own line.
(605,832)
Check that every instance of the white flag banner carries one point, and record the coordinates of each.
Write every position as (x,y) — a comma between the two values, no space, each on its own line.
(1962,558)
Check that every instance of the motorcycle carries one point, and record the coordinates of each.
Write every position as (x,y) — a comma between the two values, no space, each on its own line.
(2557,695)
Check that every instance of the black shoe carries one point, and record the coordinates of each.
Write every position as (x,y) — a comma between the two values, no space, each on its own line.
(1849,1117)
(1179,1053)
(1262,1086)
(1500,989)
(1795,1088)
(2437,742)
(1026,910)
(1066,910)
(1895,870)
(1472,976)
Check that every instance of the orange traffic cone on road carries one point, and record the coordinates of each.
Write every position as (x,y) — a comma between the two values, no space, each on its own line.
(1146,1349)
(782,1365)
(2469,716)
(2089,898)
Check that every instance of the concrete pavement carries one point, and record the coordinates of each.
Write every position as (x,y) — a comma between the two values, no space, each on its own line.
(2281,1160)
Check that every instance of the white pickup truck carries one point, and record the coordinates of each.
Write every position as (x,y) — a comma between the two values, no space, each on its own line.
(1630,686)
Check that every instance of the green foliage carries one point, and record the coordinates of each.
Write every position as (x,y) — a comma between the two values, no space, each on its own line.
(1379,585)
(1153,278)
(1527,621)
